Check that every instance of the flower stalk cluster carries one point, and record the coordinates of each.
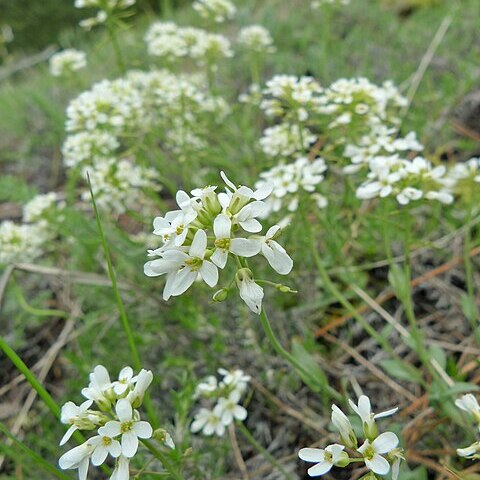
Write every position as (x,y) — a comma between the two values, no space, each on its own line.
(378,451)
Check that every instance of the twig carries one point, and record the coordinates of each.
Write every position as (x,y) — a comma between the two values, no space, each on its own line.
(236,452)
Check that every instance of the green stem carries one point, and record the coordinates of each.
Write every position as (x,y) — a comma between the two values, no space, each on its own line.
(467,246)
(30,377)
(33,455)
(116,46)
(249,437)
(307,376)
(168,465)
(121,309)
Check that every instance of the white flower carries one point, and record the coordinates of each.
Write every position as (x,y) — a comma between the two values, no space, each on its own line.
(343,425)
(207,387)
(128,426)
(144,379)
(468,403)
(99,387)
(121,471)
(469,452)
(324,459)
(78,417)
(184,268)
(408,194)
(364,411)
(243,247)
(104,445)
(125,381)
(372,452)
(67,62)
(250,292)
(236,379)
(209,422)
(78,457)
(38,206)
(230,410)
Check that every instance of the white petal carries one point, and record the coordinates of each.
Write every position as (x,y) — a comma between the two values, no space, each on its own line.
(320,469)
(99,455)
(386,413)
(245,247)
(183,281)
(68,434)
(277,257)
(222,226)
(199,244)
(219,258)
(83,469)
(209,273)
(143,429)
(123,410)
(385,442)
(312,454)
(115,449)
(129,444)
(252,225)
(378,464)
(110,429)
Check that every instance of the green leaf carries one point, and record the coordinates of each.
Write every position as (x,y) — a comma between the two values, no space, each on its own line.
(401,370)
(397,280)
(439,355)
(469,308)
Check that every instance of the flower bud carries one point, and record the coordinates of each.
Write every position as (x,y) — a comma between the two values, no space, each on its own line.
(284,288)
(220,295)
(164,437)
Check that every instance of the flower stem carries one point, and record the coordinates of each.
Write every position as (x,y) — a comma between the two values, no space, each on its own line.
(467,246)
(168,465)
(306,375)
(249,437)
(33,455)
(116,46)
(121,309)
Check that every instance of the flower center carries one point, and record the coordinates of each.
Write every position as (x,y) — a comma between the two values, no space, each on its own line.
(194,263)
(106,441)
(222,243)
(369,452)
(126,426)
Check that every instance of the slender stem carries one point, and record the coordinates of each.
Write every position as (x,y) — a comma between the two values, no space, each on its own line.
(467,246)
(168,465)
(116,46)
(33,455)
(288,356)
(121,309)
(249,437)
(30,377)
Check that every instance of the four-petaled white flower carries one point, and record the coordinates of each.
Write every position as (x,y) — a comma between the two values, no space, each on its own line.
(99,386)
(78,417)
(121,471)
(128,426)
(372,452)
(364,411)
(209,422)
(230,409)
(343,425)
(144,379)
(104,445)
(126,379)
(325,459)
(275,254)
(77,458)
(468,403)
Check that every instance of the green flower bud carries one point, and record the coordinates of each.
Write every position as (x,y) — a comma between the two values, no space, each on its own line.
(220,295)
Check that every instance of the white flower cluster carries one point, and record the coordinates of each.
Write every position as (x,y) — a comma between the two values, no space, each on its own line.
(316,4)
(106,9)
(67,61)
(286,140)
(108,122)
(464,178)
(24,242)
(116,420)
(290,180)
(256,39)
(217,10)
(291,98)
(381,141)
(224,398)
(406,180)
(358,99)
(118,184)
(208,229)
(468,403)
(21,242)
(166,39)
(380,452)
